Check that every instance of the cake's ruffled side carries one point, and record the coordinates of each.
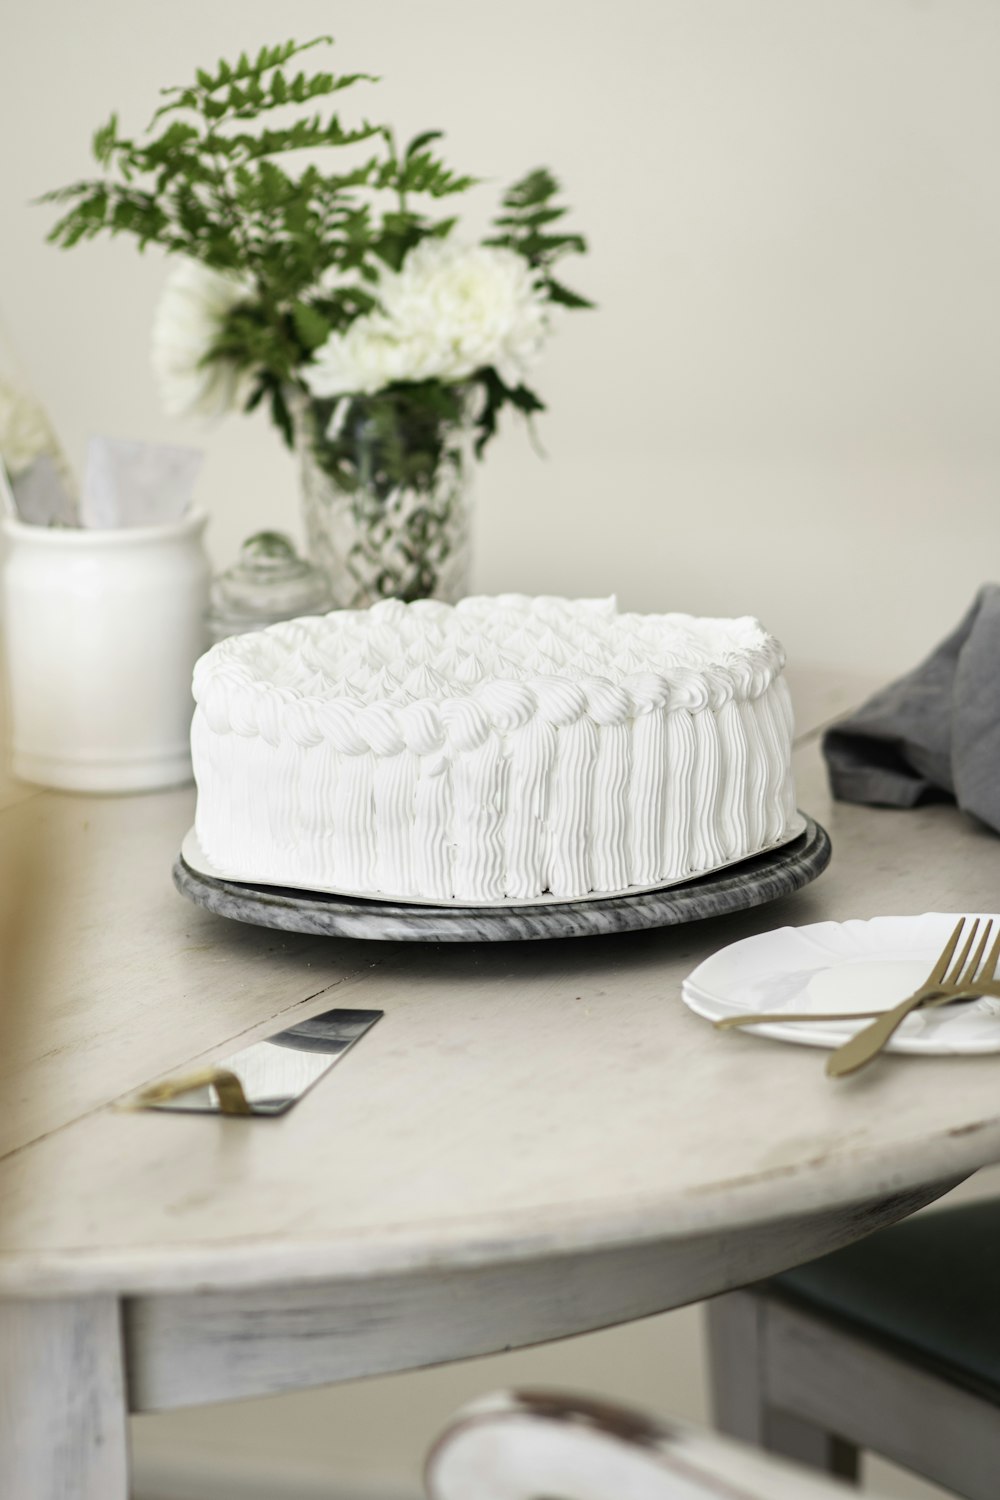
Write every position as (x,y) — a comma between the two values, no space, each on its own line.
(491,788)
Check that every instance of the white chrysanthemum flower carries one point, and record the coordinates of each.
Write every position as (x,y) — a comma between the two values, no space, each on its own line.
(195,303)
(364,359)
(448,312)
(473,306)
(25,433)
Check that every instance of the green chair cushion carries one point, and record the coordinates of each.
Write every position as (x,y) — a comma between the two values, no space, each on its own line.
(929,1288)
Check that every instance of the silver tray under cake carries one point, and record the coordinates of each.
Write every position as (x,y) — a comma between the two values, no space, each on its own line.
(753,882)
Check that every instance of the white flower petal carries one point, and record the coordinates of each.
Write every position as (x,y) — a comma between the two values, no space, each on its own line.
(195,303)
(25,433)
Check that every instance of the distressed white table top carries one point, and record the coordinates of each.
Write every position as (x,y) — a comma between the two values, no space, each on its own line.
(517,1099)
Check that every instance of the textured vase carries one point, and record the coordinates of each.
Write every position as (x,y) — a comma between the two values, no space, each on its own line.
(386,502)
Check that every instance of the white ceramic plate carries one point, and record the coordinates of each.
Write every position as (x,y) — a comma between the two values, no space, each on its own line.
(841,966)
(196,859)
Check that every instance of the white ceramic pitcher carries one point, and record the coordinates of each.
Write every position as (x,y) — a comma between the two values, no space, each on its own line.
(101,631)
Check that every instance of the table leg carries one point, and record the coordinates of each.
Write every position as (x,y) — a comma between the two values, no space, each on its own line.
(63,1421)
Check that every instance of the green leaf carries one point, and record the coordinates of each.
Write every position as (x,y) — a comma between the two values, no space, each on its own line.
(531,219)
(522,228)
(562,294)
(304,135)
(497,395)
(423,173)
(104,141)
(420,141)
(281,415)
(533,189)
(524,399)
(310,325)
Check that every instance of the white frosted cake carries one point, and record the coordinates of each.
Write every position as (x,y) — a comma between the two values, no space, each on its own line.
(503,748)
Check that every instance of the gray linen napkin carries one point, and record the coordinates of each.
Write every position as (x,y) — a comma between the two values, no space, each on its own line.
(936,730)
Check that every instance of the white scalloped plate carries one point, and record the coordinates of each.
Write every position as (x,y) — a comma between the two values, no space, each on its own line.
(196,858)
(840,966)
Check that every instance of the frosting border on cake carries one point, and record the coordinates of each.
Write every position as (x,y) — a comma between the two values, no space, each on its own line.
(236,700)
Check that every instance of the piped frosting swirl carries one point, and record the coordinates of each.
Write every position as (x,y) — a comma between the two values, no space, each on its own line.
(425,675)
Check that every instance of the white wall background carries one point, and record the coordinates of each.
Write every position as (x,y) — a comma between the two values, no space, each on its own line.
(788,402)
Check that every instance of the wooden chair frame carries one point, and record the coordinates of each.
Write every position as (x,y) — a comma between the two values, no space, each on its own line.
(797,1384)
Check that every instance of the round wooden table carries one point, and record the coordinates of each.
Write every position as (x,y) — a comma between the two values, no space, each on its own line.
(538,1139)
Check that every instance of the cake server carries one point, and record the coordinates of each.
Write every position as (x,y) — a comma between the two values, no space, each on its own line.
(268,1077)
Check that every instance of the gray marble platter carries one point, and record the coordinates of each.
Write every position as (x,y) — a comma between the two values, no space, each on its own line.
(752,883)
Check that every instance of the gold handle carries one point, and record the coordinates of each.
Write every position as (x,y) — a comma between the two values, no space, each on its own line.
(927,1000)
(768,1017)
(866,1044)
(228,1089)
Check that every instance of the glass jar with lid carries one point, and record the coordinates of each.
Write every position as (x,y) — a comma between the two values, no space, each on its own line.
(268,582)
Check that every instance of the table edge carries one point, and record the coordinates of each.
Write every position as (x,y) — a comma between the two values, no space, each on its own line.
(726,1208)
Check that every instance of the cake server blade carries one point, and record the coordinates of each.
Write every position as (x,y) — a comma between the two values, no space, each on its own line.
(268,1077)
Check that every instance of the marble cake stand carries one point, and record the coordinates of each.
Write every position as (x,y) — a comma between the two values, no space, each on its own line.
(752,883)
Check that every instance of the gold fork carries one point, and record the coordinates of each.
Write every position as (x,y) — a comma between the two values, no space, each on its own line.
(969,977)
